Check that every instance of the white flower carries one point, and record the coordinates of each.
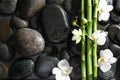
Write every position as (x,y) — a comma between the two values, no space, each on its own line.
(100,36)
(105,60)
(63,70)
(76,35)
(104,10)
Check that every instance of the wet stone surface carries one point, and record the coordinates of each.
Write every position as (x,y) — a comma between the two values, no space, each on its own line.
(55,23)
(21,68)
(37,35)
(29,42)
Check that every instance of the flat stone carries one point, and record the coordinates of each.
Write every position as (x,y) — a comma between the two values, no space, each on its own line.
(17,23)
(44,66)
(28,8)
(21,68)
(8,6)
(5,52)
(117,5)
(72,6)
(113,31)
(29,42)
(5,30)
(55,23)
(34,22)
(118,36)
(115,17)
(55,1)
(3,71)
(115,48)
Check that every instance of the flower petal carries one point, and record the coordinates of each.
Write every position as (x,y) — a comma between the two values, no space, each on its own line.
(62,77)
(78,40)
(56,71)
(101,40)
(105,67)
(63,63)
(75,32)
(109,7)
(107,54)
(104,16)
(112,60)
(74,38)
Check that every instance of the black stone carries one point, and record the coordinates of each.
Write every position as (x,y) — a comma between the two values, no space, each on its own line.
(64,54)
(76,73)
(115,48)
(29,42)
(118,36)
(5,52)
(115,17)
(55,23)
(17,23)
(44,66)
(8,6)
(112,32)
(72,6)
(109,75)
(74,48)
(28,8)
(33,22)
(117,5)
(21,68)
(55,1)
(4,71)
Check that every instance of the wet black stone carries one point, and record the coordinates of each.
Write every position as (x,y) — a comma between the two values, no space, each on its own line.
(53,52)
(44,66)
(115,48)
(55,23)
(109,75)
(29,42)
(64,54)
(118,36)
(115,17)
(21,68)
(17,23)
(55,1)
(117,5)
(102,27)
(3,71)
(112,32)
(76,73)
(118,70)
(28,8)
(8,6)
(72,6)
(5,52)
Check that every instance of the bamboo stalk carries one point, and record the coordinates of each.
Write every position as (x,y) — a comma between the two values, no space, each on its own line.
(89,42)
(95,11)
(83,61)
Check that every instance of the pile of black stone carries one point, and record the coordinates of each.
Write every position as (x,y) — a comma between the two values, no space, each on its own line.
(36,34)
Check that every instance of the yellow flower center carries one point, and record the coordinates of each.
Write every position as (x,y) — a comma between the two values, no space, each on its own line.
(102,60)
(101,10)
(67,71)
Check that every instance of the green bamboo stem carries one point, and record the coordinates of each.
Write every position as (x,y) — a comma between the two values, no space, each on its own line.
(95,11)
(89,42)
(83,61)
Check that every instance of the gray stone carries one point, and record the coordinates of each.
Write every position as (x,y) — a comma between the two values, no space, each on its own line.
(115,17)
(117,5)
(8,6)
(29,42)
(55,1)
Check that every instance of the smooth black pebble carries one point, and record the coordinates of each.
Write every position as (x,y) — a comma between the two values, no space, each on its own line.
(21,68)
(55,23)
(44,66)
